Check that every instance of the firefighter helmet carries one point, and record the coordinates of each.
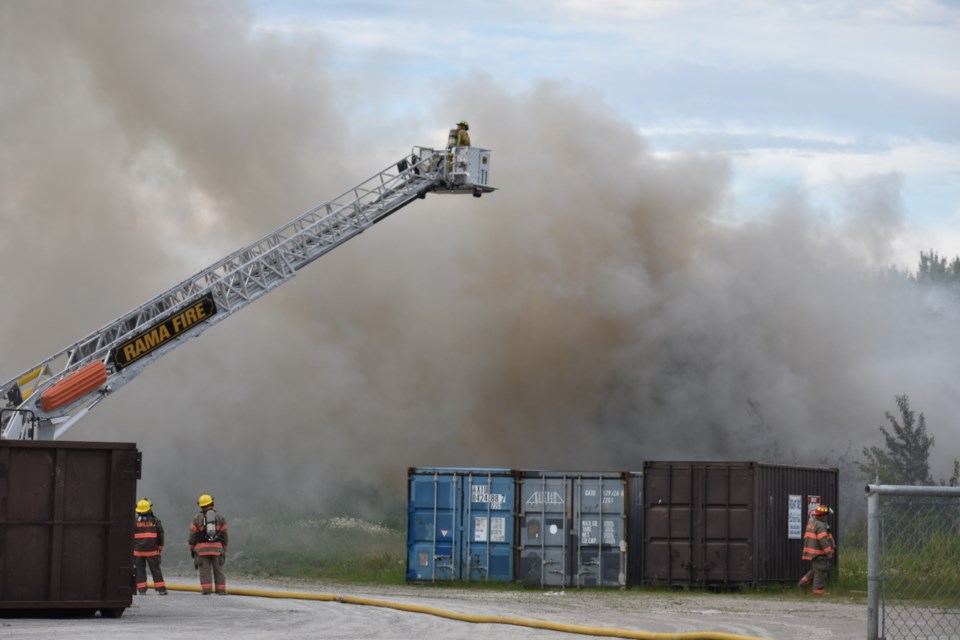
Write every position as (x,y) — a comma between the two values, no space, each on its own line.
(464,124)
(822,511)
(206,500)
(144,505)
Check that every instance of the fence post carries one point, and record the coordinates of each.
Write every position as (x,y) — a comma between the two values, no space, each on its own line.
(939,620)
(873,564)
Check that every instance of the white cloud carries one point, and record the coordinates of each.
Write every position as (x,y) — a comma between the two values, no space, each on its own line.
(913,240)
(813,94)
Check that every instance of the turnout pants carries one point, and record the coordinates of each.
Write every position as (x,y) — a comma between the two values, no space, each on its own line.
(214,565)
(818,574)
(141,562)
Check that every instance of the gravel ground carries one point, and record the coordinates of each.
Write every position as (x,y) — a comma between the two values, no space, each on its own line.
(190,615)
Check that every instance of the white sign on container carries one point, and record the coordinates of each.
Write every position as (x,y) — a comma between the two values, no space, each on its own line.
(794,517)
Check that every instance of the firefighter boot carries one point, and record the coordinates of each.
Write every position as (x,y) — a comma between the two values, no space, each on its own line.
(804,584)
(141,592)
(819,592)
(162,591)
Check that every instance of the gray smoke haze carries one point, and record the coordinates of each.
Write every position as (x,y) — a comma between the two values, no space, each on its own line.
(591,314)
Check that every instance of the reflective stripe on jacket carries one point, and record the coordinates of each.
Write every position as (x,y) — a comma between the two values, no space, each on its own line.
(147,535)
(817,540)
(198,536)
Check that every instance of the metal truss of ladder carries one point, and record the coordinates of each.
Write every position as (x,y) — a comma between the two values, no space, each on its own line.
(161,324)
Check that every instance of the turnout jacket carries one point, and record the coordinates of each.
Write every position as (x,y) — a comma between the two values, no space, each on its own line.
(817,540)
(458,138)
(198,541)
(147,535)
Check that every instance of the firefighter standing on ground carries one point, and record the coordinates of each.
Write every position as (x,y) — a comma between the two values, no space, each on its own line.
(147,546)
(819,548)
(208,546)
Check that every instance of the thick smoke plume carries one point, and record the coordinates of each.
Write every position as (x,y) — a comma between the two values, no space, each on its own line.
(590,314)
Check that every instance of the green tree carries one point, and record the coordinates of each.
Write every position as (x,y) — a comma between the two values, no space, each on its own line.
(934,269)
(906,458)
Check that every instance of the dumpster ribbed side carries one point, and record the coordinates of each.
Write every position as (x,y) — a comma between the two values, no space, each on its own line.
(66,517)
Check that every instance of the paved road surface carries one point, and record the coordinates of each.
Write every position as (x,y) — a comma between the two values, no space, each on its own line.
(189,615)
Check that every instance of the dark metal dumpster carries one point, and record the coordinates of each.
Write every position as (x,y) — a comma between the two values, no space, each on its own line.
(66,526)
(728,523)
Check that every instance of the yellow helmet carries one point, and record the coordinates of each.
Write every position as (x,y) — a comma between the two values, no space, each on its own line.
(143,506)
(205,500)
(464,124)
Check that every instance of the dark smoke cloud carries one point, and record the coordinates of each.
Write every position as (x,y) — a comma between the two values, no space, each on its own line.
(590,314)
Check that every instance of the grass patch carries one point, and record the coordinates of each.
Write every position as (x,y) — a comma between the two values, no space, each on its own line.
(364,551)
(342,549)
(853,570)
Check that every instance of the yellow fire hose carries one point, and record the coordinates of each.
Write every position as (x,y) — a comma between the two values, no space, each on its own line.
(464,617)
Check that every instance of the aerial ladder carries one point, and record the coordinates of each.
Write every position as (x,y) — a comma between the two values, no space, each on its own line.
(49,398)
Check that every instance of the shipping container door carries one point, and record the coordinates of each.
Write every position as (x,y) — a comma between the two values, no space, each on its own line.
(544,524)
(728,523)
(488,512)
(699,521)
(433,513)
(669,535)
(600,513)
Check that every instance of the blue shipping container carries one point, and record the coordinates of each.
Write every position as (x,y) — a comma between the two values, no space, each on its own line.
(460,525)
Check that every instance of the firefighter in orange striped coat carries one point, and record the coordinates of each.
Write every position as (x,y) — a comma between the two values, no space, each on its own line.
(819,548)
(147,546)
(208,546)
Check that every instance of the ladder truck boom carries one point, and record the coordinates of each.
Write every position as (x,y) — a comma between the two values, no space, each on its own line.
(49,398)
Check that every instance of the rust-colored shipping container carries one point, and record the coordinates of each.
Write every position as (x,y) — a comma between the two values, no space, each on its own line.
(66,523)
(728,523)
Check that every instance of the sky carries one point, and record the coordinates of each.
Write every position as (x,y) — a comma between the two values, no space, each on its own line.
(686,257)
(807,95)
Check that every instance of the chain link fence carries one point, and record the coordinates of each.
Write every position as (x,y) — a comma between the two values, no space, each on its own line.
(913,562)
